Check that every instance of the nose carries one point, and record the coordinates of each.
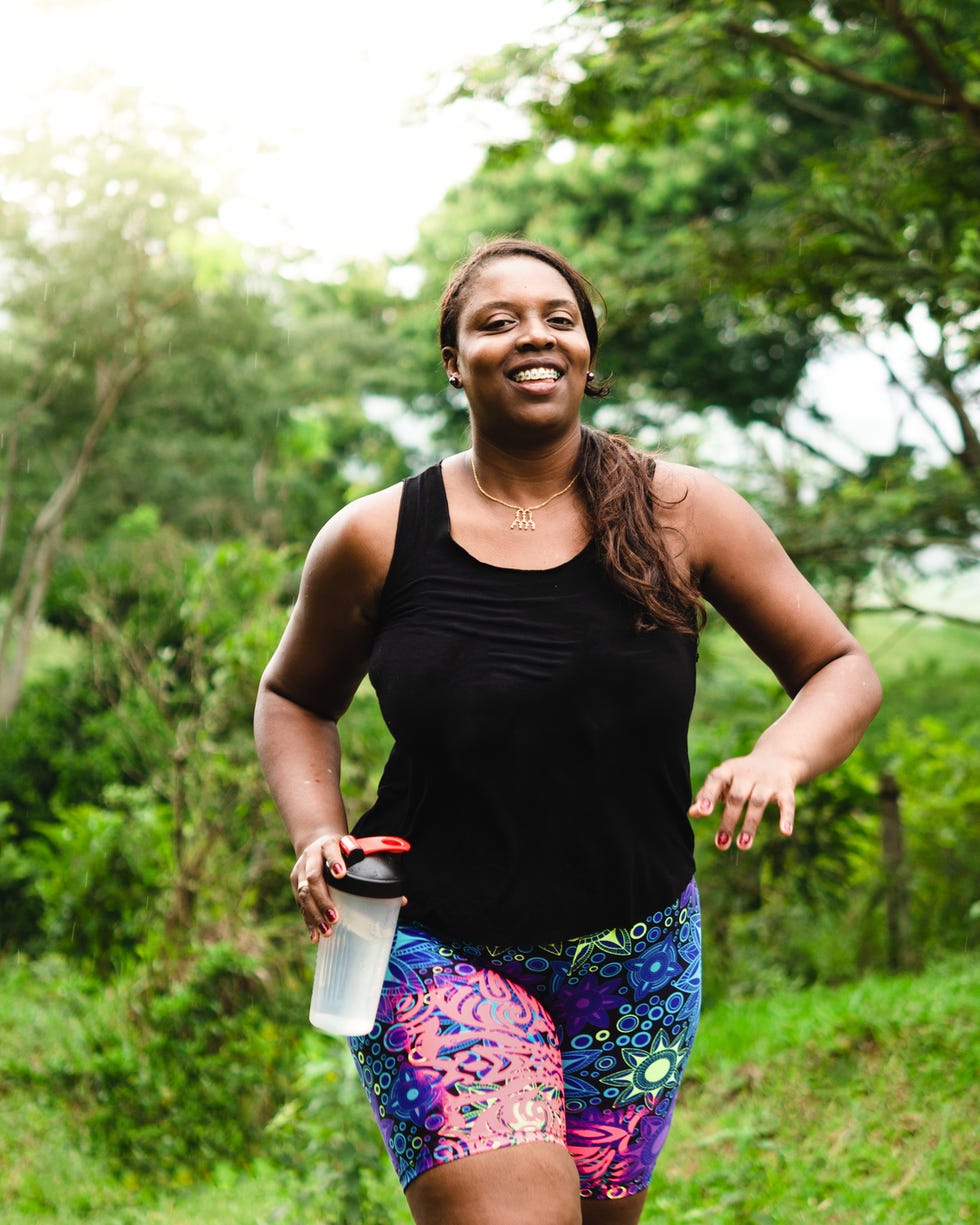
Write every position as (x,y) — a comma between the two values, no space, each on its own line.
(535,334)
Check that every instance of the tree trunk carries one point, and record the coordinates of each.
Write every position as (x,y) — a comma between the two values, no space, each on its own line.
(22,619)
(8,445)
(41,550)
(896,877)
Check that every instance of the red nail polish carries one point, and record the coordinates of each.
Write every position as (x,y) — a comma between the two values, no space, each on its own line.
(332,916)
(312,937)
(336,869)
(723,839)
(324,929)
(744,841)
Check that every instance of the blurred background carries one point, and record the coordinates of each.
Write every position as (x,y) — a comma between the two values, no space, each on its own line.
(224,229)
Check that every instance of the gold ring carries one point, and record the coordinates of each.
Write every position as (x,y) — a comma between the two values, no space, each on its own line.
(303,888)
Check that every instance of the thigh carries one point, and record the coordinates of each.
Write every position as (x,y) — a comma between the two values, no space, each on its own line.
(627,1018)
(461,1061)
(525,1184)
(625,1211)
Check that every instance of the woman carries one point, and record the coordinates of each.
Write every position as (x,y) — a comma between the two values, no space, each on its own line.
(528,612)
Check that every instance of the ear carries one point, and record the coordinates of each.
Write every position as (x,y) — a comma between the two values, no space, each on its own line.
(449,361)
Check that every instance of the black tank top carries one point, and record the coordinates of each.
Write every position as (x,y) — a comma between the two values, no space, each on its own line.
(540,764)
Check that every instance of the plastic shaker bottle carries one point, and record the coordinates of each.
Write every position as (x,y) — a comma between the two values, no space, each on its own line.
(351,963)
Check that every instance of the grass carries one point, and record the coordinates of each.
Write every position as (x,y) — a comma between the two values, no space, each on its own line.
(853,1104)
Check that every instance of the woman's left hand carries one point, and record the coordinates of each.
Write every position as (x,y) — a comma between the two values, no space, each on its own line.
(747,785)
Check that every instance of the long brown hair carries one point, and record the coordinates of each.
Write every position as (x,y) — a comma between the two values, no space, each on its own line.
(635,548)
(617,480)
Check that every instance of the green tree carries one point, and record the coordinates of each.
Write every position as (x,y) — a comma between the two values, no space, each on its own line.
(121,305)
(853,194)
(137,820)
(749,186)
(167,832)
(149,359)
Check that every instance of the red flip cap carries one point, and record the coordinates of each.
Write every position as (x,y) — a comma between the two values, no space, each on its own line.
(355,849)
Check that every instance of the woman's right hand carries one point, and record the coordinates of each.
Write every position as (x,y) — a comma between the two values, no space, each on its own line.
(320,858)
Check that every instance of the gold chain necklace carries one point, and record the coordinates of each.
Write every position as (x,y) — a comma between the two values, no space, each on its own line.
(523,515)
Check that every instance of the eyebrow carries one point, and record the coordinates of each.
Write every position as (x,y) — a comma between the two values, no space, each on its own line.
(505,304)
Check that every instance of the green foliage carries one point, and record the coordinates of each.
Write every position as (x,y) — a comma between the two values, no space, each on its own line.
(46,753)
(136,812)
(327,1137)
(874,529)
(835,1105)
(935,766)
(196,1069)
(846,1104)
(809,909)
(747,185)
(105,317)
(57,756)
(161,793)
(99,874)
(132,325)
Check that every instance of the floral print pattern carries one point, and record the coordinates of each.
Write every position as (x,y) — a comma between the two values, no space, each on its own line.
(582,1043)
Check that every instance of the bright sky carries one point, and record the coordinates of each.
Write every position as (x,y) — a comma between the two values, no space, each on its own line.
(326,86)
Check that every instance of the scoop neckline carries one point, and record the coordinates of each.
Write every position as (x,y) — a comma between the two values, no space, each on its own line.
(489,565)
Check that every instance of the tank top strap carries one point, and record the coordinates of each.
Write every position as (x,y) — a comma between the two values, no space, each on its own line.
(432,507)
(423,520)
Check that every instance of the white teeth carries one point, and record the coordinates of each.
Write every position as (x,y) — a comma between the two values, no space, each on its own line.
(538,372)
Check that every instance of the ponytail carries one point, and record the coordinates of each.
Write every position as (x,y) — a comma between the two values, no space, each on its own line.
(634,546)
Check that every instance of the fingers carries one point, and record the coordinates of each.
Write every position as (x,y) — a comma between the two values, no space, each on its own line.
(322,858)
(745,787)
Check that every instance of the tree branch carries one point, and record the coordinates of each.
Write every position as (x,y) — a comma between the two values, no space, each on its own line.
(898,605)
(8,444)
(817,452)
(928,58)
(25,608)
(9,434)
(944,102)
(897,381)
(942,380)
(37,561)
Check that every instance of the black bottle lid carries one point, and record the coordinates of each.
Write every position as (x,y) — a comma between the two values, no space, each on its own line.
(373,867)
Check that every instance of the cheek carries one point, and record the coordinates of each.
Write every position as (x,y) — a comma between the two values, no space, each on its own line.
(481,363)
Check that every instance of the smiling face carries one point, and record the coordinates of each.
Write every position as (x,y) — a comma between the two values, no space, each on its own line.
(521,351)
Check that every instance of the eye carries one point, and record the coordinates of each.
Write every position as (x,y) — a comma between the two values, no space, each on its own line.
(498,323)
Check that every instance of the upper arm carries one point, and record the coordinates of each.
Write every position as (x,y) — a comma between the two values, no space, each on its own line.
(748,577)
(324,651)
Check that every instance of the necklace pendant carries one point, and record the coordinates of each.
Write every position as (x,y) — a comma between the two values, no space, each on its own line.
(523,519)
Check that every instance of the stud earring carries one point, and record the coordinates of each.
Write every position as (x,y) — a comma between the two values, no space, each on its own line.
(590,376)
(455,380)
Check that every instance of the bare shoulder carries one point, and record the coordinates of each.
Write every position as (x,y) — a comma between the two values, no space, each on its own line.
(746,574)
(694,489)
(355,546)
(709,514)
(674,483)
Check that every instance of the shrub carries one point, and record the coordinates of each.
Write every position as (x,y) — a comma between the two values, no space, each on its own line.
(191,1076)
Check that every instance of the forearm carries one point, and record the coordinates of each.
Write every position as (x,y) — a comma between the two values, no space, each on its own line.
(300,757)
(827,718)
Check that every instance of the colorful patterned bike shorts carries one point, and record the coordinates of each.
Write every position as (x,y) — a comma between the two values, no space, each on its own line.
(580,1043)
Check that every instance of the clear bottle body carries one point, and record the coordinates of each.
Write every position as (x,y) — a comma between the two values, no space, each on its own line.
(351,964)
